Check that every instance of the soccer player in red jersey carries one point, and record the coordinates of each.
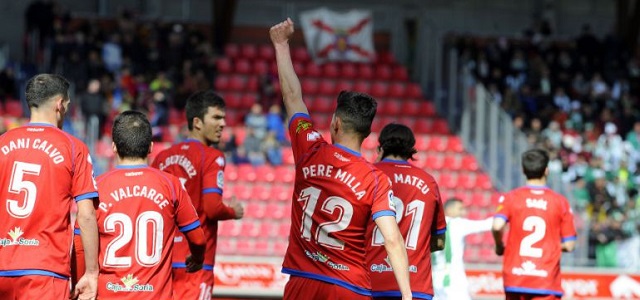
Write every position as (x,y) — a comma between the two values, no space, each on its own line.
(541,228)
(336,194)
(42,170)
(140,210)
(200,168)
(419,213)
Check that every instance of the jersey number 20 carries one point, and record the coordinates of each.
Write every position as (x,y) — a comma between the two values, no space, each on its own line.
(144,256)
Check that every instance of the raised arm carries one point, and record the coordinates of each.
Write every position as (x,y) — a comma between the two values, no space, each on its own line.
(289,82)
(394,244)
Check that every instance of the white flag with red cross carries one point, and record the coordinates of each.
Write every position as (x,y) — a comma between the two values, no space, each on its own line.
(338,36)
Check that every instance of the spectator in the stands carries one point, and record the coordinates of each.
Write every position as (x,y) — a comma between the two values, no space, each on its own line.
(272,149)
(610,148)
(275,123)
(554,134)
(561,100)
(112,54)
(8,88)
(256,120)
(253,145)
(94,104)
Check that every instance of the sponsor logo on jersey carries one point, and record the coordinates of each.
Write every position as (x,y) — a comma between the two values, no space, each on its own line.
(340,157)
(313,136)
(220,179)
(323,258)
(220,161)
(17,240)
(303,125)
(129,284)
(392,203)
(386,267)
(528,268)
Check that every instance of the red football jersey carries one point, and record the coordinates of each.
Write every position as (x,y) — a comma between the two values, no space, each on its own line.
(336,194)
(42,170)
(420,214)
(139,211)
(540,220)
(201,171)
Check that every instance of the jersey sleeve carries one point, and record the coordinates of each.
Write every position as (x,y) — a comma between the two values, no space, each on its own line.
(503,208)
(83,183)
(567,228)
(439,225)
(186,215)
(213,174)
(303,135)
(383,203)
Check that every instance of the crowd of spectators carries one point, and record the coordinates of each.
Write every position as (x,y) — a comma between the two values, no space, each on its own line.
(579,100)
(151,66)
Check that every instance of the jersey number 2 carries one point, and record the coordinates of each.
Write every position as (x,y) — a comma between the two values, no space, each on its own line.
(539,228)
(144,256)
(310,197)
(18,184)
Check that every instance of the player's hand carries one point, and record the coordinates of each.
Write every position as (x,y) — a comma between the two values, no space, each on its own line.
(499,250)
(87,288)
(281,32)
(237,207)
(193,265)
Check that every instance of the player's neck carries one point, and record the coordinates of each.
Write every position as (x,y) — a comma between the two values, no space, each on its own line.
(193,135)
(350,144)
(537,182)
(43,118)
(393,157)
(131,161)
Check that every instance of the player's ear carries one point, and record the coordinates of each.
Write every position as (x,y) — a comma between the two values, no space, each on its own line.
(197,123)
(150,148)
(337,124)
(546,172)
(114,148)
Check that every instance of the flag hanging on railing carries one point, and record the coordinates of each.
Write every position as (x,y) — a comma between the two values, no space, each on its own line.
(337,36)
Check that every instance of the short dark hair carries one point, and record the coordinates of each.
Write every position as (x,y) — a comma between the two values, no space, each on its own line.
(42,87)
(397,140)
(198,104)
(356,110)
(451,201)
(534,163)
(132,134)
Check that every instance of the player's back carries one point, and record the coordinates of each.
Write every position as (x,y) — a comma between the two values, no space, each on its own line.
(139,211)
(540,220)
(200,169)
(420,214)
(42,170)
(336,192)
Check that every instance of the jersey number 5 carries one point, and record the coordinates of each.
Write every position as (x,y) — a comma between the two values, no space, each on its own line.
(539,228)
(145,256)
(18,184)
(310,197)
(414,208)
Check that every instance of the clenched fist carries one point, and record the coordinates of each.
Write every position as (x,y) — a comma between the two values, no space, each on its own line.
(281,32)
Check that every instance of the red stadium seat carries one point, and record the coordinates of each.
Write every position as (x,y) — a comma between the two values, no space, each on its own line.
(246,173)
(261,192)
(423,125)
(411,108)
(261,67)
(406,120)
(230,173)
(280,248)
(383,72)
(330,70)
(342,85)
(422,142)
(263,247)
(283,229)
(483,181)
(230,228)
(385,57)
(396,90)
(466,180)
(253,83)
(242,192)
(448,180)
(300,54)
(232,50)
(243,66)
(452,162)
(224,65)
(324,104)
(281,192)
(440,126)
(434,162)
(365,71)
(426,108)
(469,163)
(379,89)
(245,246)
(254,210)
(248,99)
(237,83)
(327,87)
(285,174)
(413,91)
(299,67)
(250,228)
(276,211)
(226,246)
(390,107)
(313,70)
(249,51)
(399,73)
(221,83)
(269,229)
(454,144)
(438,143)
(265,173)
(266,52)
(287,156)
(362,86)
(349,71)
(309,86)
